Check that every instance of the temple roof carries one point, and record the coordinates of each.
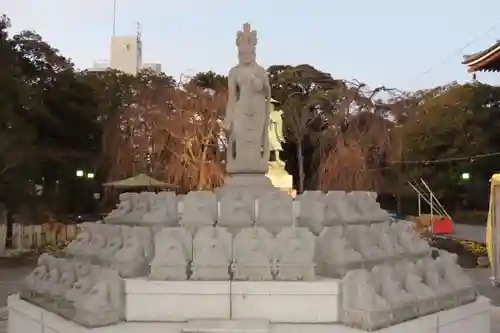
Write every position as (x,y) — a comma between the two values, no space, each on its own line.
(487,60)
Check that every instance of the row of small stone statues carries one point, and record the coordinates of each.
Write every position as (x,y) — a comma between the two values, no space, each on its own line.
(343,248)
(390,294)
(211,254)
(239,207)
(172,253)
(126,249)
(87,294)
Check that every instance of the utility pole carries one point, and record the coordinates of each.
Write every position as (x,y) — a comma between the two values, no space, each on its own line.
(114,18)
(139,45)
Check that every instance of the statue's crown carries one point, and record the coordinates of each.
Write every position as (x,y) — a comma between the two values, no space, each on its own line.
(247,36)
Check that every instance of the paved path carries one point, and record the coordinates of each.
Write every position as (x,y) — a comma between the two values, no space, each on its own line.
(495,320)
(471,232)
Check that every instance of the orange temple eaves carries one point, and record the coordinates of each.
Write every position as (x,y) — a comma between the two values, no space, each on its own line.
(484,61)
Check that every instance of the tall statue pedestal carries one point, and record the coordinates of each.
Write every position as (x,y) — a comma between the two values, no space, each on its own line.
(248,181)
(255,183)
(280,178)
(275,178)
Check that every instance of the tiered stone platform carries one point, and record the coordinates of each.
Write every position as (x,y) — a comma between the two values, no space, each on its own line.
(158,269)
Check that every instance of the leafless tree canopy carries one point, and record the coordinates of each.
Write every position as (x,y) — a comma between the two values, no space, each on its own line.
(172,134)
(358,141)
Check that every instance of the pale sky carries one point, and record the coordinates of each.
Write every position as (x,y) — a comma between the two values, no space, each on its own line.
(384,42)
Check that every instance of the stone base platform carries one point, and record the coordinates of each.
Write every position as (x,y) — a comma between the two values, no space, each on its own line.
(277,301)
(27,318)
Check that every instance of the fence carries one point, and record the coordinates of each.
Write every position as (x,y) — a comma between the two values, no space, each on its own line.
(35,236)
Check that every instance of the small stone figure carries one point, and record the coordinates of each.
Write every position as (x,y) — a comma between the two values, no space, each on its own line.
(390,288)
(67,277)
(113,245)
(429,270)
(254,257)
(389,245)
(295,250)
(312,211)
(237,209)
(275,210)
(200,210)
(212,254)
(409,239)
(340,208)
(455,276)
(81,244)
(405,272)
(102,304)
(52,278)
(123,208)
(130,261)
(362,305)
(162,209)
(49,280)
(368,207)
(335,256)
(34,282)
(97,244)
(363,241)
(173,253)
(140,207)
(86,275)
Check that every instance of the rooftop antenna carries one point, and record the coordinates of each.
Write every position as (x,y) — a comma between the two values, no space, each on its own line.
(138,31)
(114,18)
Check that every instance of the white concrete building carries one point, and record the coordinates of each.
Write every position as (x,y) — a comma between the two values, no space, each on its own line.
(125,54)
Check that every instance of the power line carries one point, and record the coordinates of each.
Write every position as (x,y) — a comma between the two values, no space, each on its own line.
(446,59)
(441,160)
(450,159)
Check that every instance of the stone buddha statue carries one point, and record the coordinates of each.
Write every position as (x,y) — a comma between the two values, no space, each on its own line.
(247,114)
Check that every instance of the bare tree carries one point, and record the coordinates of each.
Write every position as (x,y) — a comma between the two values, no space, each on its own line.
(129,134)
(357,145)
(305,93)
(191,138)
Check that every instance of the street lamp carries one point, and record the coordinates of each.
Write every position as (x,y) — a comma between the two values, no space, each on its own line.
(465,176)
(90,175)
(79,173)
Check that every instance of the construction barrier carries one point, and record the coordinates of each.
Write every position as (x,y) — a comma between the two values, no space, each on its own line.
(442,225)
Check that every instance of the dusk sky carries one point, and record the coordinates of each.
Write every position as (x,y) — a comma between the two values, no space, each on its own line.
(403,44)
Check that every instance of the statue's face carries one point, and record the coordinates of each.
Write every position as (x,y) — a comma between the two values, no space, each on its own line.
(246,55)
(39,271)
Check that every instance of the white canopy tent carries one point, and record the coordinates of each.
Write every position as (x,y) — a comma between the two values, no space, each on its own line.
(141,180)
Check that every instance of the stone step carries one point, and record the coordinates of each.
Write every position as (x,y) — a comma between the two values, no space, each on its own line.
(227,326)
